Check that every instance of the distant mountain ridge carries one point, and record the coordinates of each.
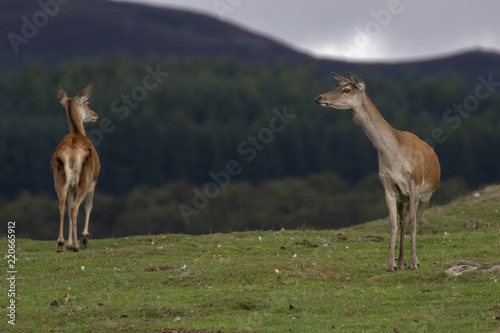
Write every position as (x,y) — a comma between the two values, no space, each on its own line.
(468,65)
(84,29)
(51,31)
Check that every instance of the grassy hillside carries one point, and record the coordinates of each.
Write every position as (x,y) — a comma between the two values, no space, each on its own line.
(474,211)
(267,281)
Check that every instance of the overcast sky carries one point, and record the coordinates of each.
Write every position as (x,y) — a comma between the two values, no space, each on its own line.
(362,30)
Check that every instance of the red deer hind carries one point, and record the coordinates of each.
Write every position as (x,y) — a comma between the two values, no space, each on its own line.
(75,167)
(408,167)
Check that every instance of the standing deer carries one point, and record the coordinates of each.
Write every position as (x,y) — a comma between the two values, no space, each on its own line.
(75,167)
(408,167)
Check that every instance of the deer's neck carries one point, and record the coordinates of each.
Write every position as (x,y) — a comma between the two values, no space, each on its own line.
(379,131)
(74,120)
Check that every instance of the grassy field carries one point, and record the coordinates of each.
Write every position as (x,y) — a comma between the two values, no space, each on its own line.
(267,281)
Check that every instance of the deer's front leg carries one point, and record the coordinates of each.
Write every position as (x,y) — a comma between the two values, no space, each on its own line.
(414,200)
(393,218)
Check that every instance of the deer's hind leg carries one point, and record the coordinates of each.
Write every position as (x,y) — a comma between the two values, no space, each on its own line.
(71,242)
(80,195)
(62,208)
(88,208)
(402,224)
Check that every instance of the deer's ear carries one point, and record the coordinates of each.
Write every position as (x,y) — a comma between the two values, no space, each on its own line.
(61,95)
(340,79)
(84,95)
(357,82)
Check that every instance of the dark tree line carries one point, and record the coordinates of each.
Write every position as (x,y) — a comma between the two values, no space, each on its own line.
(166,127)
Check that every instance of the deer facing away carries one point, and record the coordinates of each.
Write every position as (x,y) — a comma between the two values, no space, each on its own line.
(408,167)
(75,167)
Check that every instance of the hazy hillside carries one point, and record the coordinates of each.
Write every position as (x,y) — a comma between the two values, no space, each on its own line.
(84,29)
(468,65)
(479,210)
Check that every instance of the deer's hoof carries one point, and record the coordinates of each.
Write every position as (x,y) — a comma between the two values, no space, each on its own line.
(60,247)
(390,268)
(414,266)
(84,241)
(72,248)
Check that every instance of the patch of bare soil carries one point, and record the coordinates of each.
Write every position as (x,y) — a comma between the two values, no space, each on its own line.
(496,311)
(364,238)
(477,224)
(305,242)
(61,301)
(184,330)
(180,277)
(159,268)
(464,266)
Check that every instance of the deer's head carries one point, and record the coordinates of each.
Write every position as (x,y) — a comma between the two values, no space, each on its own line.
(79,105)
(347,96)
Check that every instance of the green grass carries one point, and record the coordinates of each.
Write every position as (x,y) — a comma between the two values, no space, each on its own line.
(229,282)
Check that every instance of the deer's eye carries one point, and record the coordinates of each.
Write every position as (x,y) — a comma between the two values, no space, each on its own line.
(346,90)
